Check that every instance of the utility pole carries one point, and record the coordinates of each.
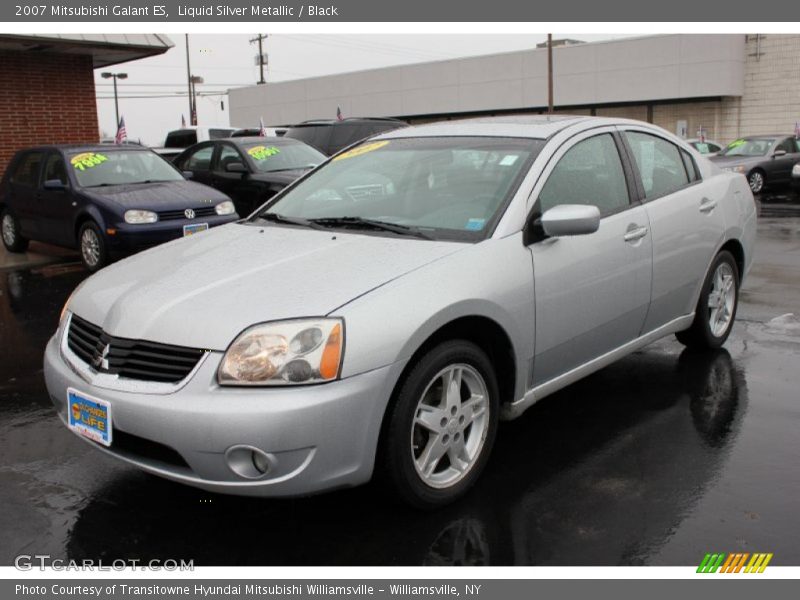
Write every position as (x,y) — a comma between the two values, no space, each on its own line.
(549,73)
(189,83)
(260,40)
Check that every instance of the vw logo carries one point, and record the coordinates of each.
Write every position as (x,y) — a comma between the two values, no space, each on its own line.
(100,361)
(189,213)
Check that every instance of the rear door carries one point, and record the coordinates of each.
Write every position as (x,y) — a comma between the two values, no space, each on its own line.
(591,291)
(686,222)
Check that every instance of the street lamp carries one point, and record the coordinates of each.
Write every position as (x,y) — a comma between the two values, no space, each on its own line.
(194,80)
(114,76)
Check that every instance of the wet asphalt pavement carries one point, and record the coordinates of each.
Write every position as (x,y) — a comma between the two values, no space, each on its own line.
(655,460)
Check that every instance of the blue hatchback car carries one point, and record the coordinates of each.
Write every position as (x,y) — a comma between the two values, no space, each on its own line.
(104,200)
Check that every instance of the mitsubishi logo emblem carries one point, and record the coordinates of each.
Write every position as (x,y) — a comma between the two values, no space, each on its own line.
(189,213)
(100,361)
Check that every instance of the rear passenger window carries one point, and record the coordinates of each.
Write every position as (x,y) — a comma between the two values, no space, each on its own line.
(589,173)
(659,162)
(199,160)
(27,169)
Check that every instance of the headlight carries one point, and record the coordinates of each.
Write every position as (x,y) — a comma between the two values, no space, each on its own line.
(225,208)
(136,217)
(738,169)
(285,353)
(796,170)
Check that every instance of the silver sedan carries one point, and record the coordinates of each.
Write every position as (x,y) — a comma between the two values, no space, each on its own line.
(379,316)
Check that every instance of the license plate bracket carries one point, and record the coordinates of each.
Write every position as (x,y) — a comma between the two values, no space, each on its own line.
(89,416)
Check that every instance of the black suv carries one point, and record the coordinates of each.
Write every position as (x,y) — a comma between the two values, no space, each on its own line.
(331,135)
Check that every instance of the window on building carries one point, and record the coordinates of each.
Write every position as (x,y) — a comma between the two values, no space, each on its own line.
(589,173)
(660,165)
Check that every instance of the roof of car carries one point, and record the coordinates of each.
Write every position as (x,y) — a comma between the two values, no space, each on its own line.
(530,126)
(312,122)
(251,139)
(87,147)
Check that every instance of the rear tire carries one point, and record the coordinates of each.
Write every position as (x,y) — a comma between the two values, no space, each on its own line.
(441,426)
(716,307)
(11,233)
(92,245)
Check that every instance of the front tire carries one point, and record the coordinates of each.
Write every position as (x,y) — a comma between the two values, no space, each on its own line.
(11,233)
(757,181)
(441,426)
(716,307)
(92,244)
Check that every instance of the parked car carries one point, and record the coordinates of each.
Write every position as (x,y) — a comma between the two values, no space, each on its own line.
(249,170)
(103,200)
(705,147)
(330,135)
(766,160)
(331,337)
(188,136)
(256,131)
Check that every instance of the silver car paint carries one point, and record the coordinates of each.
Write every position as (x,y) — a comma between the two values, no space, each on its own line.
(393,294)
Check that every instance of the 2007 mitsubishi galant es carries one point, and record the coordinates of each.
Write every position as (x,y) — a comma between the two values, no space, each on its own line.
(380,315)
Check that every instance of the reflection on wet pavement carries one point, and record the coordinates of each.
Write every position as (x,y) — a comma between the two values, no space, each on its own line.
(654,460)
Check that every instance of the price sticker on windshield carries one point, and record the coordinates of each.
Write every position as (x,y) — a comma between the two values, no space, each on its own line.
(359,150)
(736,143)
(87,160)
(263,152)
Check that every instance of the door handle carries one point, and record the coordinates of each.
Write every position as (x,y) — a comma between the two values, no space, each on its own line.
(706,205)
(635,234)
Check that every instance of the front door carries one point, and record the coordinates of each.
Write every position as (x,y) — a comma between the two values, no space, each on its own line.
(56,206)
(591,291)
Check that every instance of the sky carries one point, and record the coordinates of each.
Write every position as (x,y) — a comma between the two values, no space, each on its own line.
(154,97)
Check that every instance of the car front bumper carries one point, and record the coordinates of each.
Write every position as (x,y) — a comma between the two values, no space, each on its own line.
(131,238)
(317,437)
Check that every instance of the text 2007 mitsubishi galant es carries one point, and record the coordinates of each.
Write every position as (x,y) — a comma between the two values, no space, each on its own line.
(380,315)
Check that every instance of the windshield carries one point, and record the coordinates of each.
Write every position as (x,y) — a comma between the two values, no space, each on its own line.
(120,167)
(748,147)
(268,157)
(442,187)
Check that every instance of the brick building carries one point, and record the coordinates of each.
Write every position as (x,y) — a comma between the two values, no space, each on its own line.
(47,92)
(728,85)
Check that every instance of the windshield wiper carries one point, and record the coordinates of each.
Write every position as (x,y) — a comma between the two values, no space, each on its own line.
(290,169)
(278,218)
(360,222)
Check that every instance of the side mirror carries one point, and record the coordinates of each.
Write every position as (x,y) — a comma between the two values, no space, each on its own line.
(187,174)
(571,219)
(55,185)
(236,167)
(778,153)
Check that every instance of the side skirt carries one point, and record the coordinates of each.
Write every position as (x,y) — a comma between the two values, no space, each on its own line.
(532,396)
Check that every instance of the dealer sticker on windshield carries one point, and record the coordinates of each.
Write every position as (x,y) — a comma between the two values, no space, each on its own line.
(263,152)
(363,149)
(89,416)
(87,160)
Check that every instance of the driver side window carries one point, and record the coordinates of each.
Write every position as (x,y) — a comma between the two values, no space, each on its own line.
(589,173)
(200,160)
(228,155)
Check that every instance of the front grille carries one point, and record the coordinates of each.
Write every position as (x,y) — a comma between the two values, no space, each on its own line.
(132,359)
(172,215)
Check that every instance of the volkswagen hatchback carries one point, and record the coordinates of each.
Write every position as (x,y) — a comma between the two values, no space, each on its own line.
(379,316)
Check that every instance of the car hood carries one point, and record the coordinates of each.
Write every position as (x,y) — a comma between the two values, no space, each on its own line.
(202,291)
(158,195)
(726,162)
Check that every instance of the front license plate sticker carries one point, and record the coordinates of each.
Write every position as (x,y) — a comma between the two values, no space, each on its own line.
(89,416)
(194,228)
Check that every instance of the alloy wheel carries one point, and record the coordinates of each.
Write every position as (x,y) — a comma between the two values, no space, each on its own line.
(450,425)
(756,181)
(9,230)
(90,247)
(721,300)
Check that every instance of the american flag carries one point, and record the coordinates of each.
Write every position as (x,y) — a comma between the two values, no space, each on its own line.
(339,116)
(183,122)
(122,134)
(262,131)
